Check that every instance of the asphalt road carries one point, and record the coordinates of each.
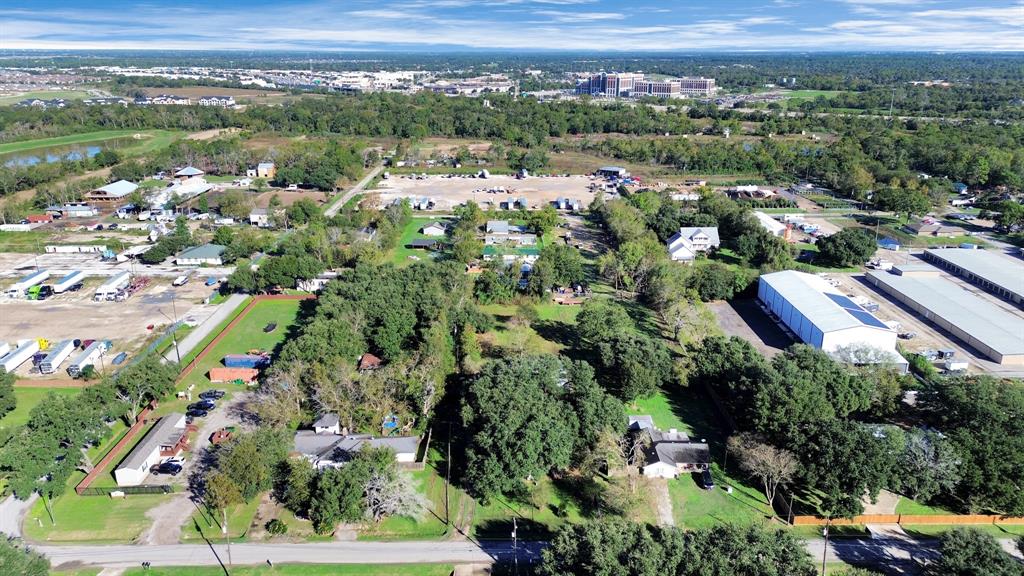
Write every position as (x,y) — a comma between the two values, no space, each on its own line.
(193,338)
(11,512)
(213,554)
(340,201)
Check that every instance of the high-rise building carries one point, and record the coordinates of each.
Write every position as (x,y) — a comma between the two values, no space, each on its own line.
(632,85)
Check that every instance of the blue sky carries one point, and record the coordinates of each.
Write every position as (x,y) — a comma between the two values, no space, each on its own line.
(579,25)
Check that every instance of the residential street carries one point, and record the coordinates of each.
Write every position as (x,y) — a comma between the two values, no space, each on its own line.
(340,201)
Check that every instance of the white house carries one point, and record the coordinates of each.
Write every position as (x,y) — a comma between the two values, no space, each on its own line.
(434,229)
(326,447)
(327,424)
(222,101)
(167,439)
(686,244)
(260,217)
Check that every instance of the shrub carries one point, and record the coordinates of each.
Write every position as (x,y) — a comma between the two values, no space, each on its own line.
(276,527)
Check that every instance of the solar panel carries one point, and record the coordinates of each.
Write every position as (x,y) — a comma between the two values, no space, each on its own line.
(867,319)
(843,301)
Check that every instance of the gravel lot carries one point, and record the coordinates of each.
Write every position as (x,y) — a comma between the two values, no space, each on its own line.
(450,192)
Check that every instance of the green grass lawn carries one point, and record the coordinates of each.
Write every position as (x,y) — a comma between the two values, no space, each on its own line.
(91,518)
(44,95)
(29,398)
(908,506)
(302,570)
(811,94)
(154,139)
(205,524)
(554,506)
(694,507)
(401,254)
(23,243)
(430,527)
(510,335)
(247,335)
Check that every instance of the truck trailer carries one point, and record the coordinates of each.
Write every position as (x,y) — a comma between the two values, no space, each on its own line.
(88,357)
(111,287)
(20,355)
(72,281)
(17,290)
(4,349)
(59,352)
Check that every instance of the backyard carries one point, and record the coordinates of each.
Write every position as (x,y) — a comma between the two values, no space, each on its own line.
(29,398)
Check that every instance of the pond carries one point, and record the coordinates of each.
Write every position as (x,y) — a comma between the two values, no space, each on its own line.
(50,154)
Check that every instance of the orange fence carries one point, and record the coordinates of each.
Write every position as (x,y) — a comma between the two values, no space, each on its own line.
(909,519)
(140,423)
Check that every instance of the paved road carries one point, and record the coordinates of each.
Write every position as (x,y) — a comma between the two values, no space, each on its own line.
(11,512)
(186,344)
(340,201)
(126,556)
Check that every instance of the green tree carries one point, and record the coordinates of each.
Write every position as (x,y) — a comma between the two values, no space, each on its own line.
(221,493)
(8,401)
(600,319)
(544,220)
(634,365)
(17,559)
(558,265)
(848,247)
(971,552)
(516,424)
(902,201)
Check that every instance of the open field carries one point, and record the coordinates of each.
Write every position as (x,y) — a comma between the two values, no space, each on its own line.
(148,140)
(90,518)
(8,100)
(450,192)
(29,398)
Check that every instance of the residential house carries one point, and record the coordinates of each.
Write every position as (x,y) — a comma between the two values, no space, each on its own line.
(326,447)
(670,453)
(168,100)
(106,102)
(112,192)
(518,239)
(369,362)
(207,254)
(316,284)
(265,170)
(365,234)
(260,217)
(434,229)
(423,244)
(167,439)
(497,227)
(222,101)
(188,172)
(686,244)
(930,227)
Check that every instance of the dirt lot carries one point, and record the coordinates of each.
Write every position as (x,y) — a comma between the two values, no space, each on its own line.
(450,192)
(288,198)
(76,315)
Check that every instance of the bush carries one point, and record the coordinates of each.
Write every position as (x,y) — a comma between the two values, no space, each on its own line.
(276,527)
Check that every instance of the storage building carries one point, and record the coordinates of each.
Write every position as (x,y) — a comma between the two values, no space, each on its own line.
(771,225)
(246,375)
(820,315)
(1001,276)
(995,333)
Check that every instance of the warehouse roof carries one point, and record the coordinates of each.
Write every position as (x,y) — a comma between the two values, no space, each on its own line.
(820,303)
(984,321)
(1007,273)
(204,252)
(118,189)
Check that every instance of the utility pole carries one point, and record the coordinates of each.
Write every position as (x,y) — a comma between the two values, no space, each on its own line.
(224,531)
(824,554)
(515,545)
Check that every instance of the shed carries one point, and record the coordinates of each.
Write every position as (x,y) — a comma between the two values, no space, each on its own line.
(246,375)
(369,362)
(113,191)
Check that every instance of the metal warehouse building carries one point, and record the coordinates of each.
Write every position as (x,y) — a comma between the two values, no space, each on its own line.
(995,333)
(1003,277)
(819,315)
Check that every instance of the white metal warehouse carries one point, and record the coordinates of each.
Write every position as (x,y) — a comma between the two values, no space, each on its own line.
(996,333)
(1001,276)
(820,315)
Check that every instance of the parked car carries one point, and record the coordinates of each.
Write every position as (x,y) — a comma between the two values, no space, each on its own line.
(170,468)
(196,413)
(202,405)
(707,482)
(270,327)
(211,394)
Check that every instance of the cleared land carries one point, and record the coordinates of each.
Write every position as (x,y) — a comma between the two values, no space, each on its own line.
(450,192)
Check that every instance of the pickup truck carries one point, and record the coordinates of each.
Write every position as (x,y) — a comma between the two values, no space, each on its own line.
(180,281)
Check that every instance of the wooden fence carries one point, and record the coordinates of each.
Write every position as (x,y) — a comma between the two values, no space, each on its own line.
(909,519)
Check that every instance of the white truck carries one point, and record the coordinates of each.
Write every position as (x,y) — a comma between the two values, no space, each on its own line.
(955,365)
(180,280)
(109,289)
(73,281)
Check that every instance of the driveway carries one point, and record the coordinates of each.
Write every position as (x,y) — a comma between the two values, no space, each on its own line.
(359,187)
(12,511)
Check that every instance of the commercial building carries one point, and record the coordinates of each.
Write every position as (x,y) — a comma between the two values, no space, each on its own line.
(1003,277)
(167,439)
(686,244)
(993,332)
(772,226)
(635,85)
(819,315)
(112,192)
(207,254)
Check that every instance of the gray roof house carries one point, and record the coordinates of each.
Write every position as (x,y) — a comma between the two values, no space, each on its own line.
(497,226)
(209,254)
(327,450)
(672,453)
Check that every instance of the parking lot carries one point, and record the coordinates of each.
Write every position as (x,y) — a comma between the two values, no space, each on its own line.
(75,315)
(450,192)
(745,319)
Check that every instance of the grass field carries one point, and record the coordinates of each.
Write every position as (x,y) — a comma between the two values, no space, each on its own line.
(302,570)
(401,254)
(44,95)
(91,518)
(811,94)
(27,399)
(207,525)
(152,140)
(432,526)
(694,507)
